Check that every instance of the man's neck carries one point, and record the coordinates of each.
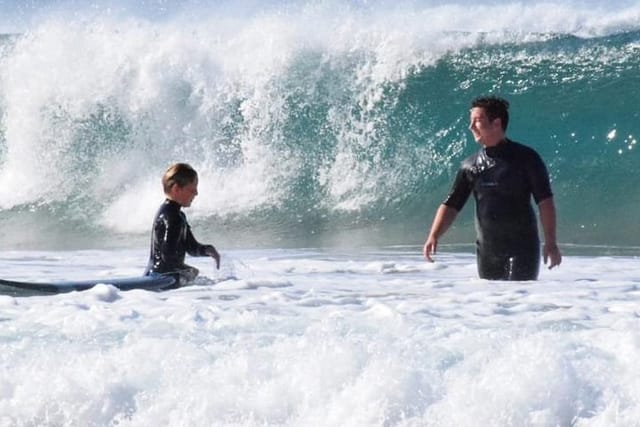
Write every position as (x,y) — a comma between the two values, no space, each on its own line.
(495,141)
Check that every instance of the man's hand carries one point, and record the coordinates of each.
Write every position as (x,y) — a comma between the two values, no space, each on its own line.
(445,216)
(429,248)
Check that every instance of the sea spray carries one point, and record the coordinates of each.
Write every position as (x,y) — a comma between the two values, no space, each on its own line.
(309,124)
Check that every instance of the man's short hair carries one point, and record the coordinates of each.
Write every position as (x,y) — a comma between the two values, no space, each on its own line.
(494,107)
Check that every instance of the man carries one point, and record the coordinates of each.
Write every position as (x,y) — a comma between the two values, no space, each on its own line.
(503,176)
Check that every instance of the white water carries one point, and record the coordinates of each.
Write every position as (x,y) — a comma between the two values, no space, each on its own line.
(322,338)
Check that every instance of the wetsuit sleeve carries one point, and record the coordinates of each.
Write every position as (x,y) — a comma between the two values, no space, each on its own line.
(193,247)
(460,191)
(538,178)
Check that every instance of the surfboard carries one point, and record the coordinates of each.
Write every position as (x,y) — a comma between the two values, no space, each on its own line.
(154,283)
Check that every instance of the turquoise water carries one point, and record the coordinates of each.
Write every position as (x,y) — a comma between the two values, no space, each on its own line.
(310,126)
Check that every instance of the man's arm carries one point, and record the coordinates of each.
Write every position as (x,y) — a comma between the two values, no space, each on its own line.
(550,250)
(445,215)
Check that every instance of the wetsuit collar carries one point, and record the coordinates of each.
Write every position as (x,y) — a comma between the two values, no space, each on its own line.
(172,202)
(502,142)
(499,146)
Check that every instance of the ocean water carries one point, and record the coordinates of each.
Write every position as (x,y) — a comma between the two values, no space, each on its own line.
(309,122)
(325,135)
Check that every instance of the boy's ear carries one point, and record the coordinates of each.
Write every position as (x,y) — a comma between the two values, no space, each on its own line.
(172,190)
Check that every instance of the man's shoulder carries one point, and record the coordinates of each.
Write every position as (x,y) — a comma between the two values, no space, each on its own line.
(470,161)
(525,153)
(522,148)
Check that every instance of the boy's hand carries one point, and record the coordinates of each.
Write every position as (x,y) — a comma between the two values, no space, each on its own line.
(213,253)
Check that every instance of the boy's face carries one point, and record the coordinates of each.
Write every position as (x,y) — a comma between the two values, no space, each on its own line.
(184,195)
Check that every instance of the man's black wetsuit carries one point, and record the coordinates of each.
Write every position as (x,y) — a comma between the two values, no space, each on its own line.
(503,179)
(171,238)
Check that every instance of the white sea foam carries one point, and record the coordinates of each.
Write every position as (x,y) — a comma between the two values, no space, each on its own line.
(322,337)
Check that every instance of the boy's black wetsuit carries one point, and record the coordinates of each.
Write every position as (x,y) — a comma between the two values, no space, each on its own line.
(171,238)
(503,179)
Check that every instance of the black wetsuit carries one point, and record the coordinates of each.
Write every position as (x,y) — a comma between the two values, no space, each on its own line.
(503,179)
(171,238)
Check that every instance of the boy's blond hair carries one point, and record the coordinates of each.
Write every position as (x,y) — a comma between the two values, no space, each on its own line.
(180,174)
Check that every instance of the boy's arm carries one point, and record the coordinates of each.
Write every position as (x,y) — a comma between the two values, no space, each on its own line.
(194,248)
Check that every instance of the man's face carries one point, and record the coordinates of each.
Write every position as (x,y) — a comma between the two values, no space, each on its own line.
(485,132)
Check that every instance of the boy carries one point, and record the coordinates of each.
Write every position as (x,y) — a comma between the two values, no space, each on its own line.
(171,235)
